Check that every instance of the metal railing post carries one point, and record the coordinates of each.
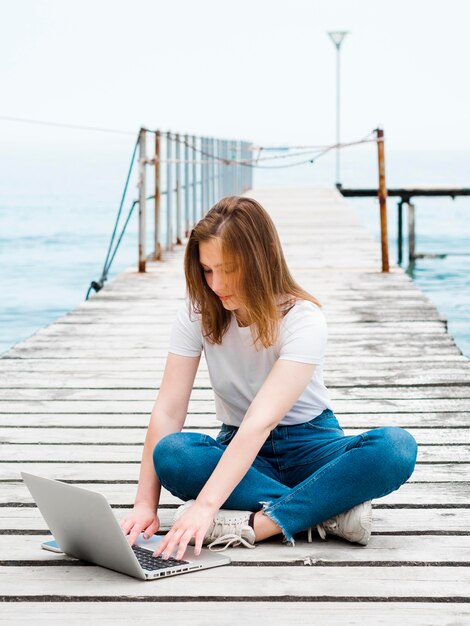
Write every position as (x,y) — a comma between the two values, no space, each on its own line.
(239,174)
(208,172)
(187,217)
(203,176)
(142,197)
(382,199)
(169,194)
(157,248)
(194,217)
(411,232)
(400,231)
(226,169)
(219,169)
(242,167)
(247,166)
(233,156)
(213,163)
(179,237)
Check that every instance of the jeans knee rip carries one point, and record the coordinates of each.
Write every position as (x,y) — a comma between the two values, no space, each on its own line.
(286,537)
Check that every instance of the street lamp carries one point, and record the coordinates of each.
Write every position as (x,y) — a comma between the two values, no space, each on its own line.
(337,38)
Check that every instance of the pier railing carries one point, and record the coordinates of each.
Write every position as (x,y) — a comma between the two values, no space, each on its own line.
(189,174)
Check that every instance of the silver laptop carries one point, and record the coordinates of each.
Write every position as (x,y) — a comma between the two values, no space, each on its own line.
(84,526)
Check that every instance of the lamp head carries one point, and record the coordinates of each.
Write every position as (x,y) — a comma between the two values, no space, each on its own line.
(337,36)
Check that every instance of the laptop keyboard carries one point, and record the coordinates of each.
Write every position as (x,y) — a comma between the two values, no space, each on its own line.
(150,562)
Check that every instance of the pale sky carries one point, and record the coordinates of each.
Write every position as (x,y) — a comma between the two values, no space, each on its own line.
(260,70)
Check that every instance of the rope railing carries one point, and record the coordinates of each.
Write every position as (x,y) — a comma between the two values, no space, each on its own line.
(194,172)
(190,173)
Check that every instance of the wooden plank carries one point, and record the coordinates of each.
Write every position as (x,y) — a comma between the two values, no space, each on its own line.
(432,346)
(202,406)
(206,393)
(362,421)
(297,582)
(157,361)
(85,470)
(100,436)
(416,522)
(151,380)
(124,453)
(341,331)
(427,495)
(192,613)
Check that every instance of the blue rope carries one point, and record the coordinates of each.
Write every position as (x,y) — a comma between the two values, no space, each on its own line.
(97,285)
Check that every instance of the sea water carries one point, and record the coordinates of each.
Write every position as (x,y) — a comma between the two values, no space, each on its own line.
(58,204)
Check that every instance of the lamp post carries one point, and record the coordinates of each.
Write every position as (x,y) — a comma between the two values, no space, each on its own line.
(337,38)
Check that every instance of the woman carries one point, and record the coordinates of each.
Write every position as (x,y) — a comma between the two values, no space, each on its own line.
(281,463)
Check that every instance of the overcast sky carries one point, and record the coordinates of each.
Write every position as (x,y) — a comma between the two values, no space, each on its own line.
(261,70)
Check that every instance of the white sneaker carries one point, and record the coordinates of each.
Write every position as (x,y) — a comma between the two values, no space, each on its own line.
(229,527)
(354,525)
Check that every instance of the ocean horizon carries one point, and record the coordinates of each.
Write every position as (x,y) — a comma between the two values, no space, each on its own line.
(58,204)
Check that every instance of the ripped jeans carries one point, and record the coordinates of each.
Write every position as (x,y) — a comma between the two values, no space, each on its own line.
(303,474)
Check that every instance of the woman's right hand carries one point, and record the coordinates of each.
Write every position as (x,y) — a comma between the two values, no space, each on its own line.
(142,518)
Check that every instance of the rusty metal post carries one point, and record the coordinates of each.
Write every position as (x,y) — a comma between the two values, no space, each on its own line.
(209,172)
(179,237)
(239,167)
(169,194)
(157,245)
(250,177)
(187,217)
(411,232)
(233,177)
(244,167)
(213,163)
(222,171)
(219,167)
(142,196)
(382,199)
(203,176)
(400,231)
(194,214)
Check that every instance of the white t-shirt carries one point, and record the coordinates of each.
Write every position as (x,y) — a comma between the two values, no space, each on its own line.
(237,370)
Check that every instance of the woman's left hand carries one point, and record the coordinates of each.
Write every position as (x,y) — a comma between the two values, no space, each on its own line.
(194,522)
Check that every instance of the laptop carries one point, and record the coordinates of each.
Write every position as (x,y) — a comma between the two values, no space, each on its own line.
(84,526)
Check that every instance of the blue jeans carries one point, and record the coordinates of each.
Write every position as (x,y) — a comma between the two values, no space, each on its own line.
(303,475)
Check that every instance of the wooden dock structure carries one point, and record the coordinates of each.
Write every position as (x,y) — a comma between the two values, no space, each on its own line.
(75,400)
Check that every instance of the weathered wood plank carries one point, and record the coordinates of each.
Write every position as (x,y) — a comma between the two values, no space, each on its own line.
(190,613)
(206,394)
(206,406)
(124,453)
(296,582)
(157,361)
(412,522)
(151,380)
(363,421)
(430,495)
(104,436)
(83,470)
(433,346)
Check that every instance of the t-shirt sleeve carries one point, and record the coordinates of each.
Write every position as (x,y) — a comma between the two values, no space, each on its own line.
(186,336)
(303,335)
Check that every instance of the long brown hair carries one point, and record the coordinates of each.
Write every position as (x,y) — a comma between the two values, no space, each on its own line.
(248,239)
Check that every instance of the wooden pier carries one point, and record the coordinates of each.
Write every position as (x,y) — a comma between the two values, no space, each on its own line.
(75,400)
